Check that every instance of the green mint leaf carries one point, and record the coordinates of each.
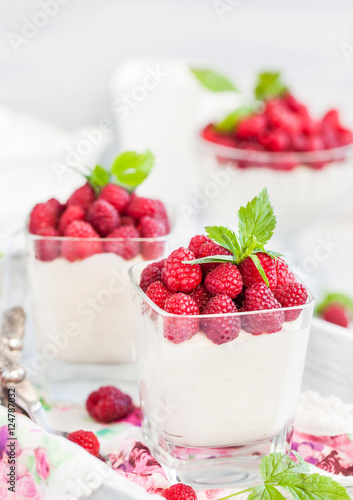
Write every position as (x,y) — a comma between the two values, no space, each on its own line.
(273,466)
(259,267)
(213,81)
(313,486)
(225,237)
(131,169)
(211,258)
(335,298)
(269,84)
(265,492)
(272,254)
(257,219)
(98,177)
(229,123)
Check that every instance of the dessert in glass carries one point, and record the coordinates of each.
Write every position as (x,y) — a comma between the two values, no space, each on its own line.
(306,163)
(222,330)
(78,260)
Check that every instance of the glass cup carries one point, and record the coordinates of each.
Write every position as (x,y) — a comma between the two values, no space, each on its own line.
(212,411)
(82,311)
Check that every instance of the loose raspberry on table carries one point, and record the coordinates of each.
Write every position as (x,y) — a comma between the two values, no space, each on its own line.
(221,329)
(201,296)
(87,440)
(43,215)
(337,314)
(73,249)
(224,279)
(48,249)
(128,248)
(103,217)
(284,275)
(71,213)
(290,295)
(176,329)
(109,404)
(179,277)
(209,249)
(251,275)
(151,273)
(179,491)
(196,242)
(257,298)
(158,293)
(116,196)
(83,196)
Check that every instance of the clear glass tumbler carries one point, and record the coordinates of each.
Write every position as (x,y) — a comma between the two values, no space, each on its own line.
(212,411)
(82,310)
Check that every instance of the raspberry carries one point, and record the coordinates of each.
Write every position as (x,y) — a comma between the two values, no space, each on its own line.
(74,250)
(284,275)
(83,196)
(289,295)
(126,220)
(56,206)
(127,249)
(201,296)
(109,404)
(151,273)
(210,134)
(221,329)
(87,440)
(179,491)
(179,277)
(138,207)
(225,279)
(208,249)
(196,242)
(176,329)
(116,196)
(259,297)
(73,212)
(250,127)
(158,293)
(103,217)
(47,249)
(43,215)
(337,314)
(251,275)
(152,228)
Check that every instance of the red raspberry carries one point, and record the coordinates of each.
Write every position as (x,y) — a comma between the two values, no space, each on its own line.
(43,215)
(56,206)
(75,250)
(126,220)
(208,249)
(290,295)
(179,491)
(103,217)
(152,228)
(221,329)
(83,196)
(138,207)
(274,140)
(74,212)
(337,314)
(109,404)
(87,440)
(176,329)
(257,298)
(158,293)
(127,249)
(251,275)
(250,127)
(151,273)
(196,242)
(284,275)
(47,249)
(210,134)
(116,196)
(225,279)
(179,277)
(201,296)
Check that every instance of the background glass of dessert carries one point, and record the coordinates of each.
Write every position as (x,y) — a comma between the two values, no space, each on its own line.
(213,408)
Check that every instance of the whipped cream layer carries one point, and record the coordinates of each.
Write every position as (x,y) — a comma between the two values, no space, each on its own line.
(84,308)
(199,394)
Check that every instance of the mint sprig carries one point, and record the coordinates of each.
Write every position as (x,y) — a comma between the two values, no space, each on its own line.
(335,298)
(213,81)
(269,84)
(255,228)
(278,470)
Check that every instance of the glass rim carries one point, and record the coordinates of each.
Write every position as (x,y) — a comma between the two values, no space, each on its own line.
(231,153)
(161,312)
(38,237)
